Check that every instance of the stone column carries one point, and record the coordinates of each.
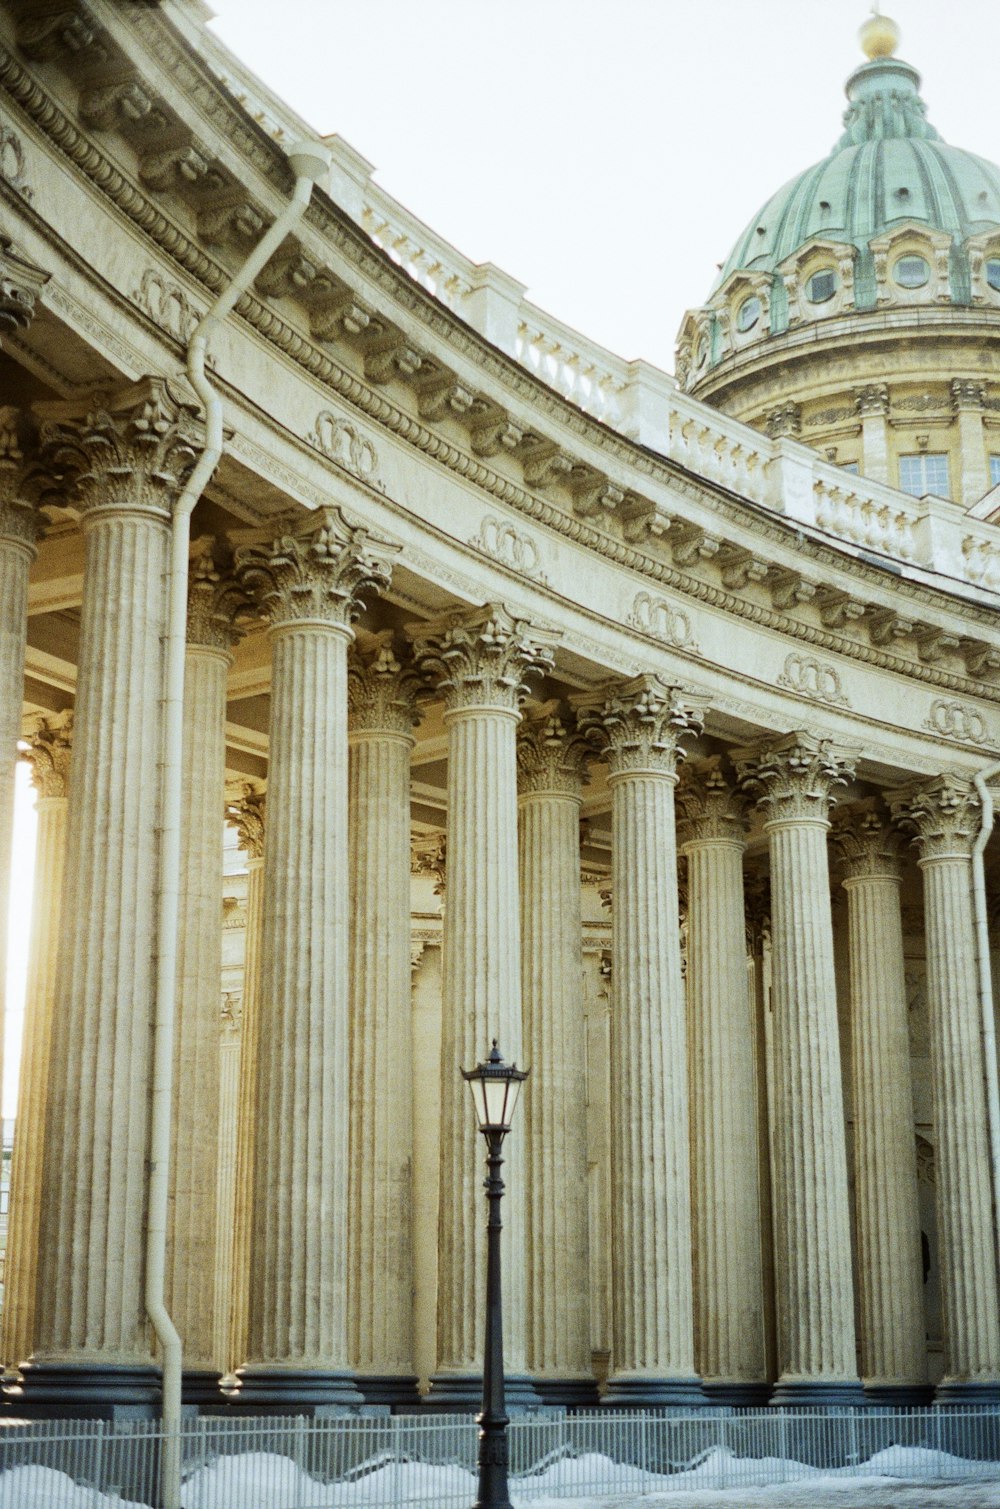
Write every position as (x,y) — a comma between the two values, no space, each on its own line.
(794,779)
(382,713)
(729,1298)
(50,756)
(18,529)
(481,660)
(640,724)
(214,604)
(310,585)
(872,404)
(551,759)
(126,459)
(245,810)
(944,814)
(890,1279)
(230,1054)
(968,403)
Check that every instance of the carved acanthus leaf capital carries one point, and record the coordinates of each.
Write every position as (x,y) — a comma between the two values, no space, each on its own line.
(865,843)
(709,808)
(639,724)
(216,602)
(23,482)
(321,573)
(429,856)
(246,803)
(794,779)
(48,751)
(383,688)
(482,658)
(552,754)
(131,450)
(942,815)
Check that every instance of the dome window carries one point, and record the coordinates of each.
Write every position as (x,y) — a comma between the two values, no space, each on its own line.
(750,312)
(911,272)
(822,286)
(993,273)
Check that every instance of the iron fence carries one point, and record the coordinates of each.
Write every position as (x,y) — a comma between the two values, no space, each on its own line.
(395,1462)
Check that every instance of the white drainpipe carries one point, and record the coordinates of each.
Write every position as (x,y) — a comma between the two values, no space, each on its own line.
(310,162)
(985,981)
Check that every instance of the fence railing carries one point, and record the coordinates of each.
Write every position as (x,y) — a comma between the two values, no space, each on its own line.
(286,1463)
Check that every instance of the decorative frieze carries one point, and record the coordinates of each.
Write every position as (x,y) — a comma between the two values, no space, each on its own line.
(511,547)
(956,720)
(813,678)
(343,442)
(662,620)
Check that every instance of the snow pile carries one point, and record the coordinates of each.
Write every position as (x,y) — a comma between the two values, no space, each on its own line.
(45,1488)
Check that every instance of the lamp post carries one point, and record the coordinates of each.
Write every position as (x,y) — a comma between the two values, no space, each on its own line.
(495,1088)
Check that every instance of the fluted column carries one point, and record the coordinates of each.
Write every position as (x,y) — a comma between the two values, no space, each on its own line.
(49,754)
(214,604)
(382,712)
(890,1279)
(945,816)
(245,810)
(794,780)
(728,1291)
(640,724)
(18,529)
(551,759)
(481,660)
(310,585)
(125,460)
(230,1053)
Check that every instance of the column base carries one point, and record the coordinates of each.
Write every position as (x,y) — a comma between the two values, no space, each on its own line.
(736,1394)
(899,1395)
(399,1391)
(202,1388)
(298,1391)
(462,1393)
(85,1391)
(632,1391)
(571,1393)
(959,1391)
(818,1393)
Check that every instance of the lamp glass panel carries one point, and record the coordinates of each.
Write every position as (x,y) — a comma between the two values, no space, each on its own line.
(512,1095)
(479,1100)
(496,1102)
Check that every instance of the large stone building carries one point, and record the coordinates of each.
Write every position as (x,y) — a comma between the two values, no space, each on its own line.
(645,725)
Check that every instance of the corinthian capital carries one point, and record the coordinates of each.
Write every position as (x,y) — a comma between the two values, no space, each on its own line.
(128,451)
(216,601)
(50,745)
(245,806)
(23,483)
(794,779)
(865,843)
(482,658)
(709,808)
(322,572)
(942,815)
(382,686)
(552,754)
(639,724)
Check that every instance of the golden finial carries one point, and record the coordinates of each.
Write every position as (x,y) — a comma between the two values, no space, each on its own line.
(879,36)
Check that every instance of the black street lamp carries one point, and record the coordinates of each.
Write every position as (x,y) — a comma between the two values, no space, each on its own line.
(495,1088)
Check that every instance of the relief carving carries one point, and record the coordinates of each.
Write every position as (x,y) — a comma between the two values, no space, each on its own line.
(953,720)
(660,619)
(343,443)
(167,304)
(511,547)
(813,678)
(12,163)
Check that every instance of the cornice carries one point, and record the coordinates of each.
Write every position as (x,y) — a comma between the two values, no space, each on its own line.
(303,352)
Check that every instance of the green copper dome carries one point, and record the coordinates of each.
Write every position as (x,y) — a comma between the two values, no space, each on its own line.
(889,166)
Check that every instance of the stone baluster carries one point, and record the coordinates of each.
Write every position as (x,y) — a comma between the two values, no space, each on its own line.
(480,660)
(794,779)
(19,521)
(891,1303)
(640,724)
(944,815)
(245,808)
(215,604)
(729,1301)
(49,754)
(551,759)
(382,702)
(310,585)
(124,459)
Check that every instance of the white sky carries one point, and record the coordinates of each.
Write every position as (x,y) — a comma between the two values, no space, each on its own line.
(606,153)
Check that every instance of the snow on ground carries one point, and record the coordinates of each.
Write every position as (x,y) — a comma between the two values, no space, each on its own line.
(257,1480)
